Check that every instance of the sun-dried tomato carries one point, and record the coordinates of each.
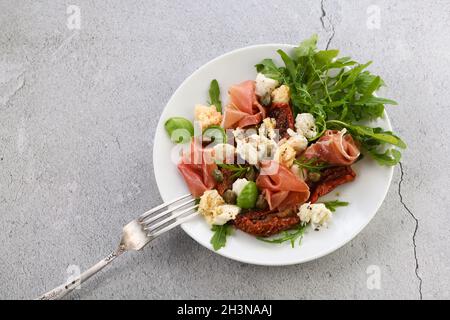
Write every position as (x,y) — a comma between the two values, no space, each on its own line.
(282,113)
(265,223)
(227,182)
(329,180)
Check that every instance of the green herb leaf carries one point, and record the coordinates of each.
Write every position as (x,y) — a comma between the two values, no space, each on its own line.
(214,95)
(215,134)
(388,158)
(332,205)
(249,195)
(339,92)
(363,132)
(292,236)
(179,129)
(312,165)
(269,69)
(289,63)
(306,47)
(219,238)
(237,169)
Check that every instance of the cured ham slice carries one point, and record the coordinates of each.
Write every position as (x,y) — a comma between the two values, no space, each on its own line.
(196,168)
(335,148)
(330,179)
(244,109)
(281,188)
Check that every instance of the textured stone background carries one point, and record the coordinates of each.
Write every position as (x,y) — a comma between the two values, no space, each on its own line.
(78,110)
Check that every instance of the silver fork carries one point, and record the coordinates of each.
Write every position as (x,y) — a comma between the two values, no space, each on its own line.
(135,236)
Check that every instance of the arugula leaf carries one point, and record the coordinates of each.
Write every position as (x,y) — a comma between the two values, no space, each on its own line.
(339,92)
(363,132)
(312,165)
(371,88)
(269,69)
(237,169)
(219,239)
(214,95)
(375,100)
(306,47)
(289,63)
(332,205)
(325,57)
(388,158)
(291,236)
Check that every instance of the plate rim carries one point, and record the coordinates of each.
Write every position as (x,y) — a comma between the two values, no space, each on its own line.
(251,261)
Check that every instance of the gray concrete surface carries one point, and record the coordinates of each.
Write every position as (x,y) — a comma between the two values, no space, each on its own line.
(78,110)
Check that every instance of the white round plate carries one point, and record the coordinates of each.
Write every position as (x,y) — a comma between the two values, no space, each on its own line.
(365,194)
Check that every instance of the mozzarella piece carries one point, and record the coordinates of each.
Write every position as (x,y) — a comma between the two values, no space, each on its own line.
(207,116)
(209,201)
(224,213)
(264,85)
(297,141)
(267,128)
(306,125)
(253,147)
(239,185)
(317,214)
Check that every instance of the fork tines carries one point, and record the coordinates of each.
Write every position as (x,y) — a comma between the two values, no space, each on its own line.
(168,215)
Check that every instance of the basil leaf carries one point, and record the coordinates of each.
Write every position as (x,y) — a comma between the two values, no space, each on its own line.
(215,134)
(249,195)
(179,129)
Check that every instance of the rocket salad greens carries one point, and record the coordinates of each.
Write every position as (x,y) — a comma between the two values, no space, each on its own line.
(339,92)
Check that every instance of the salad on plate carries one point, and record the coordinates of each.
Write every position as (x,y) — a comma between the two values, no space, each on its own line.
(262,162)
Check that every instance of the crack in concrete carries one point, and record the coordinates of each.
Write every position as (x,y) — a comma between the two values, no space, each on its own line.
(415,229)
(20,79)
(322,21)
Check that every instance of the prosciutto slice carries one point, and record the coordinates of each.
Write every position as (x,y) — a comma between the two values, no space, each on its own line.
(244,109)
(335,148)
(196,168)
(282,189)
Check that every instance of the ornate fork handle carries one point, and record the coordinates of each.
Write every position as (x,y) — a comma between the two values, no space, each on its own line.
(62,290)
(135,236)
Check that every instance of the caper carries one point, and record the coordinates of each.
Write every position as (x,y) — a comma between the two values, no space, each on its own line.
(230,197)
(266,100)
(251,174)
(261,203)
(314,176)
(218,176)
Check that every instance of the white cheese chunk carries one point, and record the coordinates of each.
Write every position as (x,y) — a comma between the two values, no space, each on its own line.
(209,201)
(264,85)
(317,214)
(306,125)
(224,213)
(239,185)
